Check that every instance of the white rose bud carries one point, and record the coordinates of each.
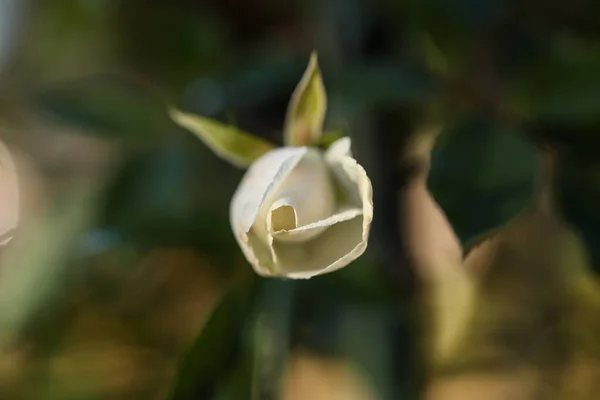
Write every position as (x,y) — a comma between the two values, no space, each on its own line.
(299,211)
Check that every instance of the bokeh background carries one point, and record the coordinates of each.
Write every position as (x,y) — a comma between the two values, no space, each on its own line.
(125,252)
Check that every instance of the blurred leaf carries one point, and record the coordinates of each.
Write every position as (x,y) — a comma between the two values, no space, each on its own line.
(578,187)
(216,349)
(329,137)
(562,85)
(198,40)
(435,59)
(368,338)
(38,259)
(158,197)
(451,29)
(377,85)
(261,79)
(228,142)
(108,105)
(307,108)
(482,175)
(238,385)
(360,282)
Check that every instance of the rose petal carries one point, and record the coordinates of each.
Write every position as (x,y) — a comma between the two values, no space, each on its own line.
(342,242)
(263,176)
(334,249)
(308,189)
(276,194)
(300,233)
(347,176)
(282,216)
(339,148)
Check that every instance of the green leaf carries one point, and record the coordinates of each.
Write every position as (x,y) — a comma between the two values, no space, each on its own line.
(41,258)
(380,84)
(329,137)
(228,142)
(482,176)
(213,354)
(562,85)
(237,385)
(153,200)
(106,105)
(307,108)
(434,58)
(578,185)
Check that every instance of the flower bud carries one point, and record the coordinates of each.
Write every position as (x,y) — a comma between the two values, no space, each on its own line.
(300,212)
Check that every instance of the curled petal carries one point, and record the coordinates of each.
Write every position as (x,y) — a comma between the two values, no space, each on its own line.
(285,189)
(261,179)
(259,182)
(302,233)
(307,193)
(340,148)
(345,240)
(291,221)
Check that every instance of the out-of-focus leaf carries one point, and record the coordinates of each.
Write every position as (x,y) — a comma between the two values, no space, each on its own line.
(159,197)
(307,108)
(36,262)
(562,85)
(368,339)
(482,176)
(578,187)
(238,385)
(329,137)
(230,143)
(452,27)
(434,58)
(381,84)
(261,79)
(107,105)
(215,351)
(361,282)
(198,40)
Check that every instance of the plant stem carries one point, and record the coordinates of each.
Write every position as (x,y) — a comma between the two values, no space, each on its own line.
(390,174)
(271,338)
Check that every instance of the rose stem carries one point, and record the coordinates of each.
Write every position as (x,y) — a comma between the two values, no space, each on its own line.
(271,337)
(389,175)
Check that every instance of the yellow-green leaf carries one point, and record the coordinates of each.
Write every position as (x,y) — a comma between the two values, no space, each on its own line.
(228,142)
(306,111)
(329,137)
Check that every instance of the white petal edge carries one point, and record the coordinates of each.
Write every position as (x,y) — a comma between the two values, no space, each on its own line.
(309,189)
(301,231)
(340,148)
(343,242)
(260,180)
